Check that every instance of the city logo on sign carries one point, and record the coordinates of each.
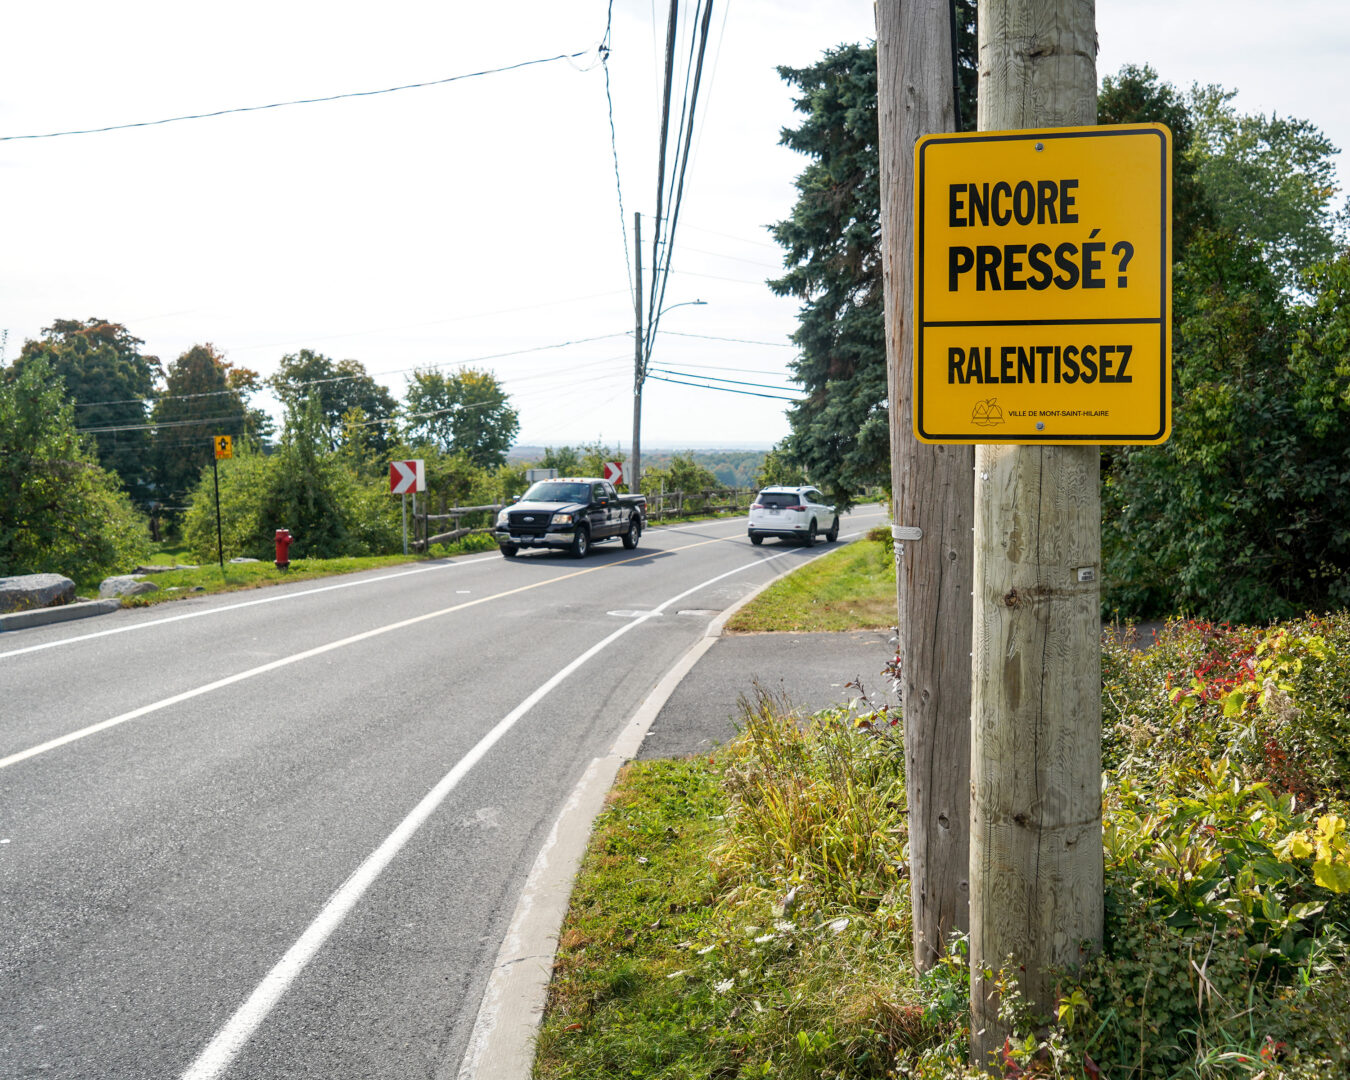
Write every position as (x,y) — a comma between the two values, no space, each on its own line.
(407,476)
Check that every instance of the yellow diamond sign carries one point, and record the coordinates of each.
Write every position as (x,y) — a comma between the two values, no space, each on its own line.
(1043,286)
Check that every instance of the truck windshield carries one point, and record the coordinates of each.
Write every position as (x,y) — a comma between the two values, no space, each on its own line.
(556,491)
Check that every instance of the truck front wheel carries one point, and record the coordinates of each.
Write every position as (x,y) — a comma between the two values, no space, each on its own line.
(509,550)
(581,543)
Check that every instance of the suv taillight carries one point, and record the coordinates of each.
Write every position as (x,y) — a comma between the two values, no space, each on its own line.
(794,508)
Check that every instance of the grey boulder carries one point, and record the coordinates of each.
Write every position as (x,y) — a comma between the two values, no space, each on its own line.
(29,591)
(125,585)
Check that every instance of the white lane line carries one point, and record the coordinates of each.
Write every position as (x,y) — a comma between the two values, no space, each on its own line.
(271,599)
(262,669)
(221,1051)
(187,695)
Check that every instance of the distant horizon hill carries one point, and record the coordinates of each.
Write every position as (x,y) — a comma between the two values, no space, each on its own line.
(527,452)
(736,465)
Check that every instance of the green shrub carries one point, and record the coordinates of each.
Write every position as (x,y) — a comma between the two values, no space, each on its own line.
(60,512)
(1273,701)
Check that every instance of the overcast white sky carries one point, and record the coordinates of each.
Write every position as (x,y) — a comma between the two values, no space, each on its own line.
(472,222)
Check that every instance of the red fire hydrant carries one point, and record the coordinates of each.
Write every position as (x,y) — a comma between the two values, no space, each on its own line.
(283,548)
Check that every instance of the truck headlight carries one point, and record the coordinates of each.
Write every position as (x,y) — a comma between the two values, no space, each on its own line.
(562,519)
(502,520)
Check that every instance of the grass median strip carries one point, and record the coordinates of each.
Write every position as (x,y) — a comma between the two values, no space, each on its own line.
(852,588)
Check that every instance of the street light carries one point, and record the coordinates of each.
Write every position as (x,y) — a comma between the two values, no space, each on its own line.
(641,360)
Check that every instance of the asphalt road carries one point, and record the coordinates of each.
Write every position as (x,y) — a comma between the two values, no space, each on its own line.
(279,834)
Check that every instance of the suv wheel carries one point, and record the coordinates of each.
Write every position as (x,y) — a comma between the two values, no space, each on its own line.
(581,544)
(810,538)
(756,539)
(833,534)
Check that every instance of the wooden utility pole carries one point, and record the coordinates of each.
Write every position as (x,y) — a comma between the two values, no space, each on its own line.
(933,488)
(639,375)
(1035,850)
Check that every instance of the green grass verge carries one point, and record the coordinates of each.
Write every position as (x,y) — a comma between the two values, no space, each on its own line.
(701,946)
(852,588)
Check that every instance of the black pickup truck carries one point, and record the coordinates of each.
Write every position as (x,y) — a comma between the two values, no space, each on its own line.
(571,513)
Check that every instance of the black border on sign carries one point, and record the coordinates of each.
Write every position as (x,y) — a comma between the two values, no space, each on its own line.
(1164,280)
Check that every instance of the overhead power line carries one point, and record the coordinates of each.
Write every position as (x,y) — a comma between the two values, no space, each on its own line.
(613,140)
(714,378)
(741,341)
(683,141)
(724,389)
(300,101)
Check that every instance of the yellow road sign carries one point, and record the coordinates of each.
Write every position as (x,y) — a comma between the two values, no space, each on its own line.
(1043,286)
(224,447)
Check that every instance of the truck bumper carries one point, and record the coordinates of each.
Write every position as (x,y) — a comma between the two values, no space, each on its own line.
(525,540)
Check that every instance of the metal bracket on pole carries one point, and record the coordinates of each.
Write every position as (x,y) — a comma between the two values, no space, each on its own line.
(906,532)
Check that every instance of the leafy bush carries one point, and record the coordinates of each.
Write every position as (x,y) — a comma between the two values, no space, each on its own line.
(330,510)
(60,512)
(1274,702)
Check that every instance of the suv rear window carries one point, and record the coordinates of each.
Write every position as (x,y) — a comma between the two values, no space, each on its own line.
(779,498)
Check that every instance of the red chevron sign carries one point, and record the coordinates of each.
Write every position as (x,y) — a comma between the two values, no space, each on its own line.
(406,476)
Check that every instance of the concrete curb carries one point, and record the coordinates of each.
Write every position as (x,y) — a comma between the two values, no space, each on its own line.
(20,620)
(501,1045)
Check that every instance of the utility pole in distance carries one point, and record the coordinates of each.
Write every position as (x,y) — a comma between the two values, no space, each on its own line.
(1035,847)
(933,489)
(639,375)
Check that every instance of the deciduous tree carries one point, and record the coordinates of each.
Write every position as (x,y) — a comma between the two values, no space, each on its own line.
(465,411)
(1271,180)
(338,387)
(60,511)
(112,384)
(204,396)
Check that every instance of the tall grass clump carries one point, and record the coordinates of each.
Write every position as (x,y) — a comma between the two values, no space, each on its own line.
(817,807)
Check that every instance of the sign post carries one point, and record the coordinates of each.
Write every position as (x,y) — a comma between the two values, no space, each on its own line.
(224,448)
(406,476)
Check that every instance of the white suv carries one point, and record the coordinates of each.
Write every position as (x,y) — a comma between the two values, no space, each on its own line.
(793,513)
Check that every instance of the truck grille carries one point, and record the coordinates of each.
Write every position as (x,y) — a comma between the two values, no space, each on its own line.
(529,523)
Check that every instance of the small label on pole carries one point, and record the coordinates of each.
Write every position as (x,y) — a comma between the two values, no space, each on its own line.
(906,532)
